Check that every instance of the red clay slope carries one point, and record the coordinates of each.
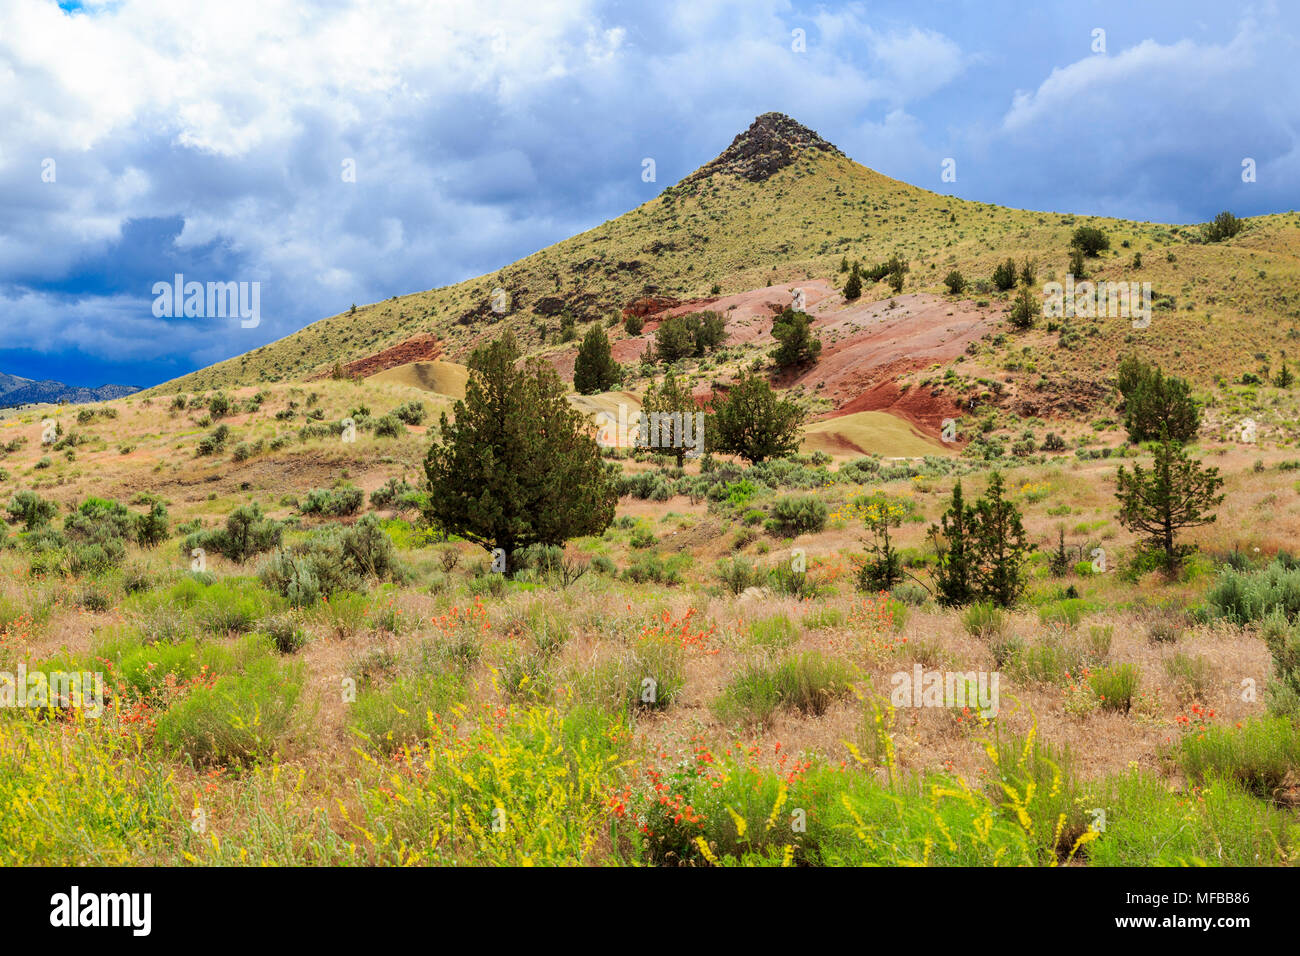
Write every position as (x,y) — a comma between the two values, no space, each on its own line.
(866,345)
(422,347)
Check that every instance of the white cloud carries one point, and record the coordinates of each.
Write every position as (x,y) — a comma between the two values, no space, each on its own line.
(482,131)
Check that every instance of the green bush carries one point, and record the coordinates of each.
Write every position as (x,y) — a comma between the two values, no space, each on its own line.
(151,529)
(1248,596)
(412,413)
(285,632)
(31,510)
(214,441)
(799,514)
(341,501)
(652,568)
(738,573)
(247,533)
(910,594)
(390,426)
(98,521)
(95,558)
(785,580)
(397,494)
(333,559)
(646,485)
(219,405)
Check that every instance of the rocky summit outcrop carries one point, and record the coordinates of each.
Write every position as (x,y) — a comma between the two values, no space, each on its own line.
(772,142)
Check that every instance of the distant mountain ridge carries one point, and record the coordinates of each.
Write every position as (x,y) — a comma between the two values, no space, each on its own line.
(16,390)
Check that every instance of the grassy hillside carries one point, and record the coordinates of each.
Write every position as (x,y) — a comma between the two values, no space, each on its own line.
(1221,309)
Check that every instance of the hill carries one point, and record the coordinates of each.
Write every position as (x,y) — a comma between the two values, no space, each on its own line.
(780,207)
(15,391)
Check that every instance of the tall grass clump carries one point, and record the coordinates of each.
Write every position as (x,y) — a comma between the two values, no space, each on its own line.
(807,683)
(1115,686)
(647,676)
(1258,755)
(774,633)
(239,718)
(1147,824)
(394,715)
(1283,643)
(984,620)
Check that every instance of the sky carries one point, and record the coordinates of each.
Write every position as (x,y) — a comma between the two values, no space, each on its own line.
(340,152)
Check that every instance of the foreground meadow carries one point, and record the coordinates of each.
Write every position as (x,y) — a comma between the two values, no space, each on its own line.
(296,670)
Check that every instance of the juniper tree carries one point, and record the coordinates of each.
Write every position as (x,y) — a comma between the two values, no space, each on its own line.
(1023,309)
(753,423)
(1058,562)
(1156,404)
(952,538)
(853,286)
(1004,275)
(1177,493)
(798,345)
(670,402)
(1028,272)
(897,270)
(1090,240)
(1285,377)
(1077,267)
(595,370)
(518,465)
(1001,548)
(689,336)
(1224,226)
